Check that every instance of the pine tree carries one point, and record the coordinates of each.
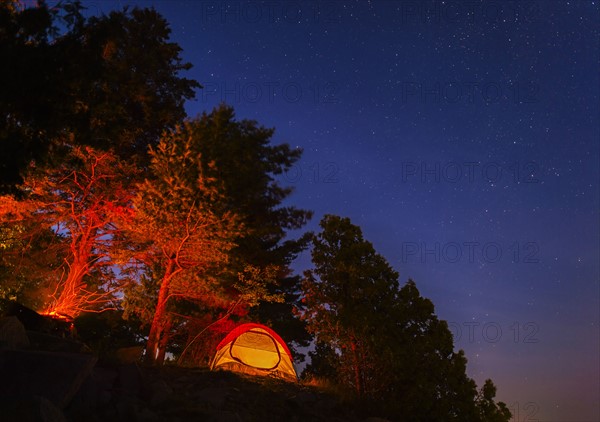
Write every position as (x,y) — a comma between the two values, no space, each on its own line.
(348,295)
(491,411)
(385,342)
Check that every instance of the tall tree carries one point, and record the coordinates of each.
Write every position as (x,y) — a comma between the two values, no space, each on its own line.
(177,233)
(382,341)
(240,157)
(182,236)
(85,81)
(78,202)
(348,295)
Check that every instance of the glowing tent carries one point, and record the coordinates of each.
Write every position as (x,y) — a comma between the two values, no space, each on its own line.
(257,350)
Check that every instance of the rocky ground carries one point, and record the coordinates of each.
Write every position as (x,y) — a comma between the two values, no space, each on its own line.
(133,393)
(48,377)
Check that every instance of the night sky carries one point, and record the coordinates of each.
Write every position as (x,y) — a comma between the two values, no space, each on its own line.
(463,137)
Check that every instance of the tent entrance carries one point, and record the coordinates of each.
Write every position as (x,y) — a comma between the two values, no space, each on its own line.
(256,349)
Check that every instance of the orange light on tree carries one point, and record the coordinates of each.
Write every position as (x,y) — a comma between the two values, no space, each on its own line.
(176,232)
(183,237)
(79,201)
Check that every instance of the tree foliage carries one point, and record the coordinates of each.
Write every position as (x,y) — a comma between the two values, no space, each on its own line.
(187,221)
(75,204)
(239,154)
(89,78)
(347,295)
(385,342)
(489,410)
(29,258)
(177,233)
(107,332)
(237,167)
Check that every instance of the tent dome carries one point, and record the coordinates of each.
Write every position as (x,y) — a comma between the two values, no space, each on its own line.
(257,350)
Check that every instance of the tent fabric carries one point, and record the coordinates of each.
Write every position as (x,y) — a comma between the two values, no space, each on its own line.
(256,350)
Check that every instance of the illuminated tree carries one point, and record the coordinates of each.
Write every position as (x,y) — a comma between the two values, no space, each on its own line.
(29,257)
(79,202)
(28,268)
(235,160)
(241,156)
(100,93)
(178,234)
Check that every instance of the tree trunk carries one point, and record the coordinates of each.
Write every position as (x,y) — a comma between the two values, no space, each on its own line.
(152,346)
(71,299)
(356,364)
(163,342)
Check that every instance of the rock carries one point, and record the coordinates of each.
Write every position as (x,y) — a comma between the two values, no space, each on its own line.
(13,334)
(104,379)
(55,376)
(30,319)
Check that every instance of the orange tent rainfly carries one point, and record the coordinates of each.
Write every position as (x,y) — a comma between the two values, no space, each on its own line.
(257,350)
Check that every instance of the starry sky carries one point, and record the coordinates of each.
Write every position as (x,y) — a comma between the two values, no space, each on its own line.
(463,137)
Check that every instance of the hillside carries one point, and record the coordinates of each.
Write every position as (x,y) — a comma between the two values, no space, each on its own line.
(53,377)
(134,393)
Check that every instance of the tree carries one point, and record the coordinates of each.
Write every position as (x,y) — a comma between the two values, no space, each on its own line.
(348,296)
(29,258)
(236,160)
(426,378)
(323,363)
(99,90)
(240,155)
(491,411)
(176,232)
(382,341)
(78,203)
(99,86)
(182,236)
